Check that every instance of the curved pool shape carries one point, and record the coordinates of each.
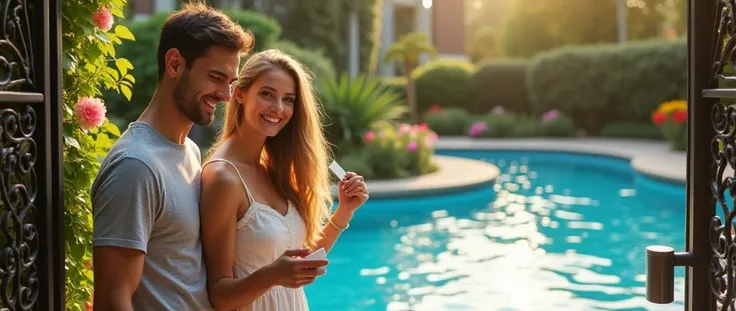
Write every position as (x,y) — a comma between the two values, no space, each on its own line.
(557,231)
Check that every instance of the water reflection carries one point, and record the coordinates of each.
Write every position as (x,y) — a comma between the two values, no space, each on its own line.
(554,233)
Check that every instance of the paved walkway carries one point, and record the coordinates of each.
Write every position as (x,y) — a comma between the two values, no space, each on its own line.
(448,179)
(651,158)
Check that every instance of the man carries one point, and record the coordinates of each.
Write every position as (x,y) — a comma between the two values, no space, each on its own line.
(147,249)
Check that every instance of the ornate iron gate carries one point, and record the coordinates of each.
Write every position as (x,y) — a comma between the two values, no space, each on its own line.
(31,177)
(710,255)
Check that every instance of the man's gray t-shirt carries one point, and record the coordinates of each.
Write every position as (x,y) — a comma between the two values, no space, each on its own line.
(146,197)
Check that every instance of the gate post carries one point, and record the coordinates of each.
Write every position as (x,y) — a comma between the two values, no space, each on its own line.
(702,28)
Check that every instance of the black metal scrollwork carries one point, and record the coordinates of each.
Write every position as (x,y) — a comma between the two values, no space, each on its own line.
(723,150)
(16,59)
(19,281)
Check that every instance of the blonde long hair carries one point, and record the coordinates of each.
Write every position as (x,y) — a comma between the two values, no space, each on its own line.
(297,158)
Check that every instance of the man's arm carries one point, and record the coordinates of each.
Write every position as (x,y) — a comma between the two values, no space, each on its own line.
(125,202)
(117,275)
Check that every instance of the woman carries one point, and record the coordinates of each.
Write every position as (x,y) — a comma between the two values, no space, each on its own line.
(266,191)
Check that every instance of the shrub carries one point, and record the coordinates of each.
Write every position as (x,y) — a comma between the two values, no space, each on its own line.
(397,153)
(499,83)
(397,84)
(598,84)
(355,106)
(449,121)
(443,82)
(142,54)
(632,129)
(89,52)
(501,125)
(553,124)
(313,59)
(505,125)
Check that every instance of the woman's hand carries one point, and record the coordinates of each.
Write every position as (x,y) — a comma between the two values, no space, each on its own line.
(291,272)
(352,192)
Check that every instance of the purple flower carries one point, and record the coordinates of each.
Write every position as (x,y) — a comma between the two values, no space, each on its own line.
(550,115)
(477,128)
(412,146)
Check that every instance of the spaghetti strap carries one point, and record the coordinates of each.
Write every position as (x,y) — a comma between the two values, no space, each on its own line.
(247,191)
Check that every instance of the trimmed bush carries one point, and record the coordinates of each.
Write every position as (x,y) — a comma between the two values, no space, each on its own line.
(313,59)
(397,84)
(142,54)
(562,126)
(499,83)
(598,84)
(630,129)
(444,82)
(449,121)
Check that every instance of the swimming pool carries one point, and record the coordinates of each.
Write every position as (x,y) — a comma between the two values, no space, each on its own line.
(557,231)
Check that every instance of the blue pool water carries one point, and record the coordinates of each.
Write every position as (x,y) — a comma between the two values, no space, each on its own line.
(556,231)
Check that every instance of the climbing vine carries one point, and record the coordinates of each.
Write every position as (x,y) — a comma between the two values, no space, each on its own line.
(89,37)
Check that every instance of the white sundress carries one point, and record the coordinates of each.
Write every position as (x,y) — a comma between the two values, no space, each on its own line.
(262,236)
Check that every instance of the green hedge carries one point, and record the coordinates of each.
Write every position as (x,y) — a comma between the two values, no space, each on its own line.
(314,59)
(442,82)
(600,84)
(499,83)
(142,54)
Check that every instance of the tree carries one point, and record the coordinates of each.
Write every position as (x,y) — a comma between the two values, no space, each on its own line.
(407,51)
(545,25)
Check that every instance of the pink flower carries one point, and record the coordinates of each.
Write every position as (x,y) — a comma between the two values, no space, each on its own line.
(369,136)
(404,128)
(90,112)
(434,136)
(477,128)
(429,141)
(550,115)
(103,18)
(423,126)
(412,146)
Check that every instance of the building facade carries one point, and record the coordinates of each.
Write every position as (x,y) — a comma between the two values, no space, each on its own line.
(443,21)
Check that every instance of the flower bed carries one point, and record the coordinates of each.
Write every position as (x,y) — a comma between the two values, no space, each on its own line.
(394,152)
(671,118)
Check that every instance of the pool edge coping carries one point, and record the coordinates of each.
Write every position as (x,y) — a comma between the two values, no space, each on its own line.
(580,146)
(441,182)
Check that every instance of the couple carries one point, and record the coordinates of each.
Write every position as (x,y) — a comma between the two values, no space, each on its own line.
(173,234)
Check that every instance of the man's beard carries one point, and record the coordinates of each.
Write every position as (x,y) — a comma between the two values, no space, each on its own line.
(187,104)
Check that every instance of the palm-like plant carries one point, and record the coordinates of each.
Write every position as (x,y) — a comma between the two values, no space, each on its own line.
(407,51)
(355,106)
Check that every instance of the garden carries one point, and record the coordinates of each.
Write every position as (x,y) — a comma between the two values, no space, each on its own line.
(383,128)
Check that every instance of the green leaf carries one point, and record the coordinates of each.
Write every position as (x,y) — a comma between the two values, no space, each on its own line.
(72,142)
(123,32)
(113,73)
(117,12)
(103,37)
(127,92)
(91,68)
(129,78)
(123,65)
(112,128)
(110,50)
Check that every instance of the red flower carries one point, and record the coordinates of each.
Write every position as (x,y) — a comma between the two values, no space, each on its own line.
(658,118)
(434,108)
(679,116)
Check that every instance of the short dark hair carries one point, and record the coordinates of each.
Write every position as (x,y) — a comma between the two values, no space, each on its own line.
(195,28)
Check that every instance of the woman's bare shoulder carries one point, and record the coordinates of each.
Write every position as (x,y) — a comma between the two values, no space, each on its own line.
(220,182)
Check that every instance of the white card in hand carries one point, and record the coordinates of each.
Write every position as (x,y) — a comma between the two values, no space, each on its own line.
(319,254)
(337,169)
